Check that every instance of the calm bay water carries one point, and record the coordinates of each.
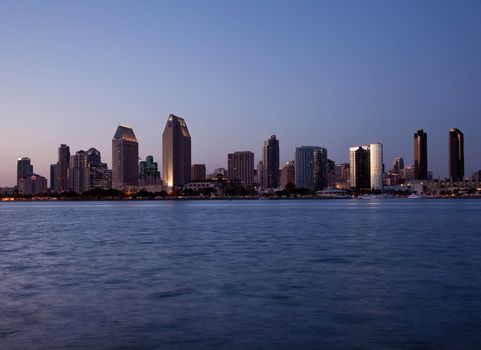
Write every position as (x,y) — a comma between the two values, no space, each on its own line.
(304,274)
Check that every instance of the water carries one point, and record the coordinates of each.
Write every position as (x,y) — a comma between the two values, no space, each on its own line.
(395,274)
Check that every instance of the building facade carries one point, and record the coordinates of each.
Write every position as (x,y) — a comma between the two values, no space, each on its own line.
(240,166)
(456,155)
(125,155)
(176,153)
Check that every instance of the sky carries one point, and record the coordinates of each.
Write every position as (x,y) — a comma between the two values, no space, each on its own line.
(323,73)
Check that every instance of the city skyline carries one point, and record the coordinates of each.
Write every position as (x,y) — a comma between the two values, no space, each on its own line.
(379,164)
(330,74)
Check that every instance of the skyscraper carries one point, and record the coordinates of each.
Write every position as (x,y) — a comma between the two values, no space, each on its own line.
(62,168)
(311,167)
(125,158)
(240,167)
(359,167)
(98,175)
(320,168)
(376,166)
(271,162)
(78,172)
(421,155)
(176,152)
(24,169)
(456,155)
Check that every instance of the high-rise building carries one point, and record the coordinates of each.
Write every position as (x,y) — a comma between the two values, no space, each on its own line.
(320,168)
(53,177)
(198,172)
(240,167)
(311,171)
(359,167)
(176,153)
(456,155)
(62,168)
(376,166)
(98,175)
(28,182)
(78,172)
(271,162)
(288,174)
(421,155)
(24,169)
(125,159)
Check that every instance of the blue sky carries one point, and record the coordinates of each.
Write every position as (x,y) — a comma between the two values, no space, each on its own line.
(312,72)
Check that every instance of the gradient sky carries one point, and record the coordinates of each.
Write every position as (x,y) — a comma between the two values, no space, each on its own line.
(312,72)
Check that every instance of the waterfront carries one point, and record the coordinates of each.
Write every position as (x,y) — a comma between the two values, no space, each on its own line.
(241,274)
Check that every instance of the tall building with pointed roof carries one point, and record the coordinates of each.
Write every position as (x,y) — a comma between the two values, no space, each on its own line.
(176,153)
(125,158)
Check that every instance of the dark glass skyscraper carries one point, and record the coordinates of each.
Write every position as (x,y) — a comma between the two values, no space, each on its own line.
(62,168)
(311,162)
(125,158)
(176,153)
(271,163)
(456,155)
(421,155)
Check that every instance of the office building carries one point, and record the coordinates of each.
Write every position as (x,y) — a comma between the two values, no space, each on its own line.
(271,163)
(125,159)
(421,155)
(456,155)
(176,153)
(198,172)
(240,167)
